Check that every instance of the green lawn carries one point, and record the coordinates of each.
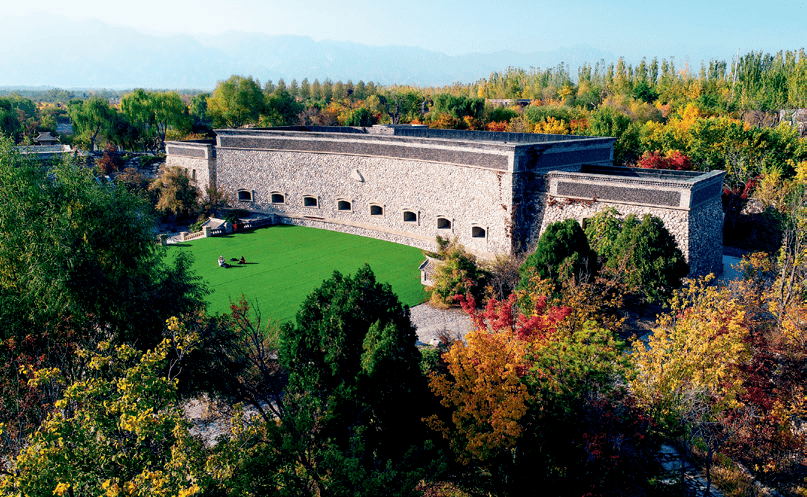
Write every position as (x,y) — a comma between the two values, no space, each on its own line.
(285,263)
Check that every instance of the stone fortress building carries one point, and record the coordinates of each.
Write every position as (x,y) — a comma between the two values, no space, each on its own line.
(495,192)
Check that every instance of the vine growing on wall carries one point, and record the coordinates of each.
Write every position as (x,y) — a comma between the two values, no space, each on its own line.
(560,204)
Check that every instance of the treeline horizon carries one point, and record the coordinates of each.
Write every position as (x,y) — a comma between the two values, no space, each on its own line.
(759,81)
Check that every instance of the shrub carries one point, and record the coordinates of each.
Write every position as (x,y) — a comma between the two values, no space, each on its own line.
(197,226)
(542,113)
(360,117)
(459,274)
(147,160)
(504,275)
(562,252)
(603,229)
(673,160)
(109,162)
(655,264)
(499,114)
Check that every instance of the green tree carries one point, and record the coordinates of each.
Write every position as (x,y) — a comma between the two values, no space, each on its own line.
(457,274)
(327,90)
(608,121)
(178,195)
(354,383)
(281,109)
(316,90)
(10,125)
(400,104)
(458,107)
(198,107)
(655,264)
(236,102)
(603,229)
(305,90)
(562,252)
(79,265)
(154,112)
(20,119)
(77,251)
(360,117)
(91,118)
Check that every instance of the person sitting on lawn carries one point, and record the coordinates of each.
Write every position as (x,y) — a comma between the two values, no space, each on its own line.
(242,261)
(222,263)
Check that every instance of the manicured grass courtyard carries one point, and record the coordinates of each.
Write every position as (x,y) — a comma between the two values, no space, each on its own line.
(285,263)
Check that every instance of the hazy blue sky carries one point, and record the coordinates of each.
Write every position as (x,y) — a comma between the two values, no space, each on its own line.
(631,28)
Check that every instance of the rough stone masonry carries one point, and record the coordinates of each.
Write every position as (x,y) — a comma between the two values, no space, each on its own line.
(495,192)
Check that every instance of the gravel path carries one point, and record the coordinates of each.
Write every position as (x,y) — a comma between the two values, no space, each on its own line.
(431,323)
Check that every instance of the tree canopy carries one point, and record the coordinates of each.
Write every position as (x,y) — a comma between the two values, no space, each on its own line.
(562,252)
(153,113)
(91,117)
(236,102)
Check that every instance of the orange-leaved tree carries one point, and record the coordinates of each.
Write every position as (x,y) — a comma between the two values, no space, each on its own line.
(526,402)
(484,387)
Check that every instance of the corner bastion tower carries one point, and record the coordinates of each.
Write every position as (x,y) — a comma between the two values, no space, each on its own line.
(495,192)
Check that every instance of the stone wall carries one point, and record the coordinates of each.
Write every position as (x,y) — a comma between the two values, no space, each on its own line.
(706,238)
(378,191)
(796,118)
(198,158)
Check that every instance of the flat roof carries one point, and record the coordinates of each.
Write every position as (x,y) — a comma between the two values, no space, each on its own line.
(644,173)
(420,131)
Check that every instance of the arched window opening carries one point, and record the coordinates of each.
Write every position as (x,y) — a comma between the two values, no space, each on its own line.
(278,198)
(309,201)
(410,217)
(244,196)
(477,232)
(376,210)
(343,205)
(443,223)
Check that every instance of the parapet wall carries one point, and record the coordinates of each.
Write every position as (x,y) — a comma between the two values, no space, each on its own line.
(490,156)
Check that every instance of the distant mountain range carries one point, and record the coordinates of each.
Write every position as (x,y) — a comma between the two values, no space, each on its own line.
(54,51)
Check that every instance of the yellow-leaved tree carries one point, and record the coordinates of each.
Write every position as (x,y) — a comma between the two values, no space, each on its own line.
(688,374)
(118,431)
